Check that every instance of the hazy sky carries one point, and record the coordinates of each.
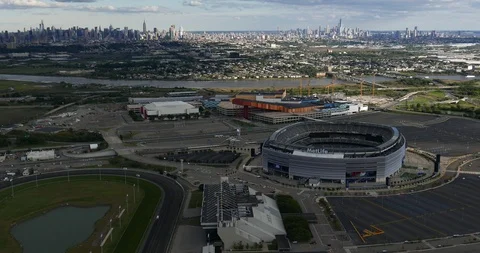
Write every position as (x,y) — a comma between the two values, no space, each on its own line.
(200,15)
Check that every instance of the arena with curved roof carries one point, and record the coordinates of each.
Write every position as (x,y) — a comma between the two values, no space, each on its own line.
(335,152)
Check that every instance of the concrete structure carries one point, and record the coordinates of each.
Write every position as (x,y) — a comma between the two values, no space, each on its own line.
(41,155)
(144,101)
(166,109)
(240,214)
(229,109)
(136,108)
(265,95)
(335,152)
(181,94)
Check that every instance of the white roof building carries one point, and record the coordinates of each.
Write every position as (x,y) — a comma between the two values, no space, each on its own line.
(169,108)
(41,155)
(239,213)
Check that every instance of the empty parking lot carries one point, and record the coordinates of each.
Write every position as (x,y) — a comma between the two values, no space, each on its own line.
(448,210)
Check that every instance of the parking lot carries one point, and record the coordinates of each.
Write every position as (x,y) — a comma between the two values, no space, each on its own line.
(473,166)
(445,211)
(448,136)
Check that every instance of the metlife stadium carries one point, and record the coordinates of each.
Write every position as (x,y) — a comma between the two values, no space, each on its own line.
(335,152)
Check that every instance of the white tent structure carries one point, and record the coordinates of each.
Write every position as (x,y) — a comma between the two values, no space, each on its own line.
(41,155)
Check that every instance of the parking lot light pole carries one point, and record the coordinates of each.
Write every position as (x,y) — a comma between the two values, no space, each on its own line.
(134,194)
(36,179)
(138,185)
(125,170)
(119,217)
(127,202)
(13,193)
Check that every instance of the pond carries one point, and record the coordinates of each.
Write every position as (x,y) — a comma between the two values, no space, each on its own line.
(58,230)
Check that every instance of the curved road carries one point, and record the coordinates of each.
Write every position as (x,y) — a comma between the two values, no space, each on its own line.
(162,230)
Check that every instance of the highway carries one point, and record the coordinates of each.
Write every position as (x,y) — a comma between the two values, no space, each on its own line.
(162,230)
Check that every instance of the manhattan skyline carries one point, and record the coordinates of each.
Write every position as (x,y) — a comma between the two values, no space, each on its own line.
(241,15)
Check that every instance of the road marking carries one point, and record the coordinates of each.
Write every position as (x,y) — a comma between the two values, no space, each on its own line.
(428,244)
(359,235)
(300,193)
(406,217)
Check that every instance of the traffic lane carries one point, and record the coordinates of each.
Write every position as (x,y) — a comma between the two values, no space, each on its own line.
(162,229)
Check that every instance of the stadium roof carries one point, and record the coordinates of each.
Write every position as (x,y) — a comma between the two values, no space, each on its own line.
(227,202)
(330,138)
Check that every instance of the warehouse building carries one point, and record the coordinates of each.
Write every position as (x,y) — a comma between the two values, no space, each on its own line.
(238,213)
(163,110)
(144,101)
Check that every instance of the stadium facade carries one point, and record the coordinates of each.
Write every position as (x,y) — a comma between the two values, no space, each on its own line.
(335,152)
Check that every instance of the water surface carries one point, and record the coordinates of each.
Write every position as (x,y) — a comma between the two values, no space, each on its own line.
(58,230)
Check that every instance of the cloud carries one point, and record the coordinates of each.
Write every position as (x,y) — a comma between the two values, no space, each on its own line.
(192,3)
(113,9)
(25,4)
(75,1)
(63,4)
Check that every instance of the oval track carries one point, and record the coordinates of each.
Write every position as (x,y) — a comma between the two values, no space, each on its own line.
(162,230)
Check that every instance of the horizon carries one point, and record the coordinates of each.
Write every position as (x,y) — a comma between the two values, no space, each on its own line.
(241,15)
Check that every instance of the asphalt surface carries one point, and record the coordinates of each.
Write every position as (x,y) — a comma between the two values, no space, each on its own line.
(162,230)
(437,213)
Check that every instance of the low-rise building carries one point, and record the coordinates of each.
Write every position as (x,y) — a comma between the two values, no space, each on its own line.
(229,109)
(168,109)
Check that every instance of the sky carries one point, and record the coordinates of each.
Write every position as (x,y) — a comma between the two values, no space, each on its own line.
(242,15)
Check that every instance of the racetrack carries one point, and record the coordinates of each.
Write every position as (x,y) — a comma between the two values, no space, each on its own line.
(163,229)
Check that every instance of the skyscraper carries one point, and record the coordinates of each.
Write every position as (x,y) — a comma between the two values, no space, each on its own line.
(340,27)
(172,32)
(144,27)
(181,32)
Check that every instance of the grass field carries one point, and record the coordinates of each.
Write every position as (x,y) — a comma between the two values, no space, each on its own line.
(31,201)
(20,115)
(27,70)
(195,199)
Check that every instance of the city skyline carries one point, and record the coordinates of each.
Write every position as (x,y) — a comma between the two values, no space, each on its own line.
(242,15)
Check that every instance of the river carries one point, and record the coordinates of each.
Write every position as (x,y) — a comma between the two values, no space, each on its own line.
(261,83)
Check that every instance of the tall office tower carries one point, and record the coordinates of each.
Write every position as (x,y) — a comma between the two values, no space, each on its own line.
(319,30)
(144,27)
(407,33)
(171,32)
(327,29)
(181,32)
(42,26)
(340,28)
(110,28)
(415,32)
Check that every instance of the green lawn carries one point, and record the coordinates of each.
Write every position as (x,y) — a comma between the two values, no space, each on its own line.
(18,86)
(28,70)
(20,115)
(195,199)
(30,201)
(297,229)
(287,204)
